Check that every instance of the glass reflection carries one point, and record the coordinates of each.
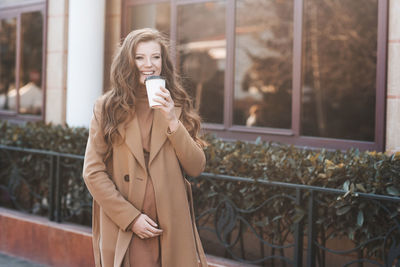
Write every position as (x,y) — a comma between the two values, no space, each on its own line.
(263,63)
(338,97)
(8,93)
(155,16)
(12,2)
(202,56)
(30,92)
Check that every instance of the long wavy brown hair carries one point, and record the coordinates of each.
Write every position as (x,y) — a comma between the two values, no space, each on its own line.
(125,83)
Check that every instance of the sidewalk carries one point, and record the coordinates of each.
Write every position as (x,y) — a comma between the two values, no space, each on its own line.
(9,261)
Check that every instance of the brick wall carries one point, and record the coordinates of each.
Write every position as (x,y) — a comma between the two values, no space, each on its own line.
(57,244)
(37,239)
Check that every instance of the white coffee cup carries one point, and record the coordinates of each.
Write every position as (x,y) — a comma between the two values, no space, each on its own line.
(153,84)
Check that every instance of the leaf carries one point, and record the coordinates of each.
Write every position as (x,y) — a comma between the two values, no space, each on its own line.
(329,163)
(259,224)
(361,188)
(360,218)
(351,234)
(346,185)
(299,214)
(352,188)
(277,218)
(393,214)
(258,140)
(343,210)
(211,194)
(391,190)
(395,155)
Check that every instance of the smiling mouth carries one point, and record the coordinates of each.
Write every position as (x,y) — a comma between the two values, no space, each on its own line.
(148,73)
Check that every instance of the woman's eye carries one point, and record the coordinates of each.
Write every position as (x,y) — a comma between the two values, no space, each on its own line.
(139,58)
(157,57)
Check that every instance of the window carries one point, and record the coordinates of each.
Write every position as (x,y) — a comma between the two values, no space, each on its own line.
(304,72)
(156,15)
(339,71)
(263,65)
(202,54)
(22,59)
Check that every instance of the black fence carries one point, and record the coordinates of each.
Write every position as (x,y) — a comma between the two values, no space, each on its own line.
(292,225)
(44,183)
(252,221)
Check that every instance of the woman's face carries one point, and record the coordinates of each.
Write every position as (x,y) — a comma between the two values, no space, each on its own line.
(148,59)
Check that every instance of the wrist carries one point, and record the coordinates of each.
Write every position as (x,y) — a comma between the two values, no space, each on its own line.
(173,125)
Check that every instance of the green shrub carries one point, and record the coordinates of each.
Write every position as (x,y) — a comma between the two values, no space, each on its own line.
(43,136)
(356,218)
(24,177)
(353,171)
(367,172)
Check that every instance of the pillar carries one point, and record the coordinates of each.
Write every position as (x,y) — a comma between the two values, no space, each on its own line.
(85,59)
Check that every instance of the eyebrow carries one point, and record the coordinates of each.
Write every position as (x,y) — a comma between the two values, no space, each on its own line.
(157,53)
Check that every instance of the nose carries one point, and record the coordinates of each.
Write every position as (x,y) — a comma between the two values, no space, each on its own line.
(148,62)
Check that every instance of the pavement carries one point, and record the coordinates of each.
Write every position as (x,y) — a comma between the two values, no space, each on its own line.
(11,261)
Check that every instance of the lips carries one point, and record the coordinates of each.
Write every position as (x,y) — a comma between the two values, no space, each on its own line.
(145,74)
(148,72)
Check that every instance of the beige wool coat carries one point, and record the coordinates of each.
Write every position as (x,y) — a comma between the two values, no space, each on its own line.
(118,188)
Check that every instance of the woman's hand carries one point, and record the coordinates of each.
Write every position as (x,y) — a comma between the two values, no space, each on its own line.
(144,227)
(167,108)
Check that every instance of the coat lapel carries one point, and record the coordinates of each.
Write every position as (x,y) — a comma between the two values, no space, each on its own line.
(159,132)
(124,238)
(131,134)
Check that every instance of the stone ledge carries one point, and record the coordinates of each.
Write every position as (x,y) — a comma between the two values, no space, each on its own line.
(38,239)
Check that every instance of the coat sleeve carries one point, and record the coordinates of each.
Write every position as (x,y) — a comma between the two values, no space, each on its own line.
(189,153)
(98,181)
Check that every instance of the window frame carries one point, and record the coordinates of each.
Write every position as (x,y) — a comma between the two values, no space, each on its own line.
(16,11)
(293,135)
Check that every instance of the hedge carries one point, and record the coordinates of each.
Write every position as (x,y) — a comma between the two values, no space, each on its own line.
(351,170)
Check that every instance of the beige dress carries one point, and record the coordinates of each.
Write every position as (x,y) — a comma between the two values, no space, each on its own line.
(145,252)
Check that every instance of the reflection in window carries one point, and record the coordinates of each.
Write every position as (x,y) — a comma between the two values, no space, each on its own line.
(338,98)
(263,68)
(29,96)
(8,93)
(11,2)
(202,56)
(30,91)
(155,16)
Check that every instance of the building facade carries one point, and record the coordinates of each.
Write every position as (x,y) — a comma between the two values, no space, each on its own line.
(314,73)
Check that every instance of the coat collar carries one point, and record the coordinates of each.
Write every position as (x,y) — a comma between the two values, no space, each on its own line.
(159,132)
(130,132)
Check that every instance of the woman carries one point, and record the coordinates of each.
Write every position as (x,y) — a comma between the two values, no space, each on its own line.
(134,160)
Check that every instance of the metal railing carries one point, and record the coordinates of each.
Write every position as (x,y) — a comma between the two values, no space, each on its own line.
(45,183)
(306,240)
(288,225)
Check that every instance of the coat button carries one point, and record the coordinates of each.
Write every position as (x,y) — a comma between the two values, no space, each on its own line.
(126,178)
